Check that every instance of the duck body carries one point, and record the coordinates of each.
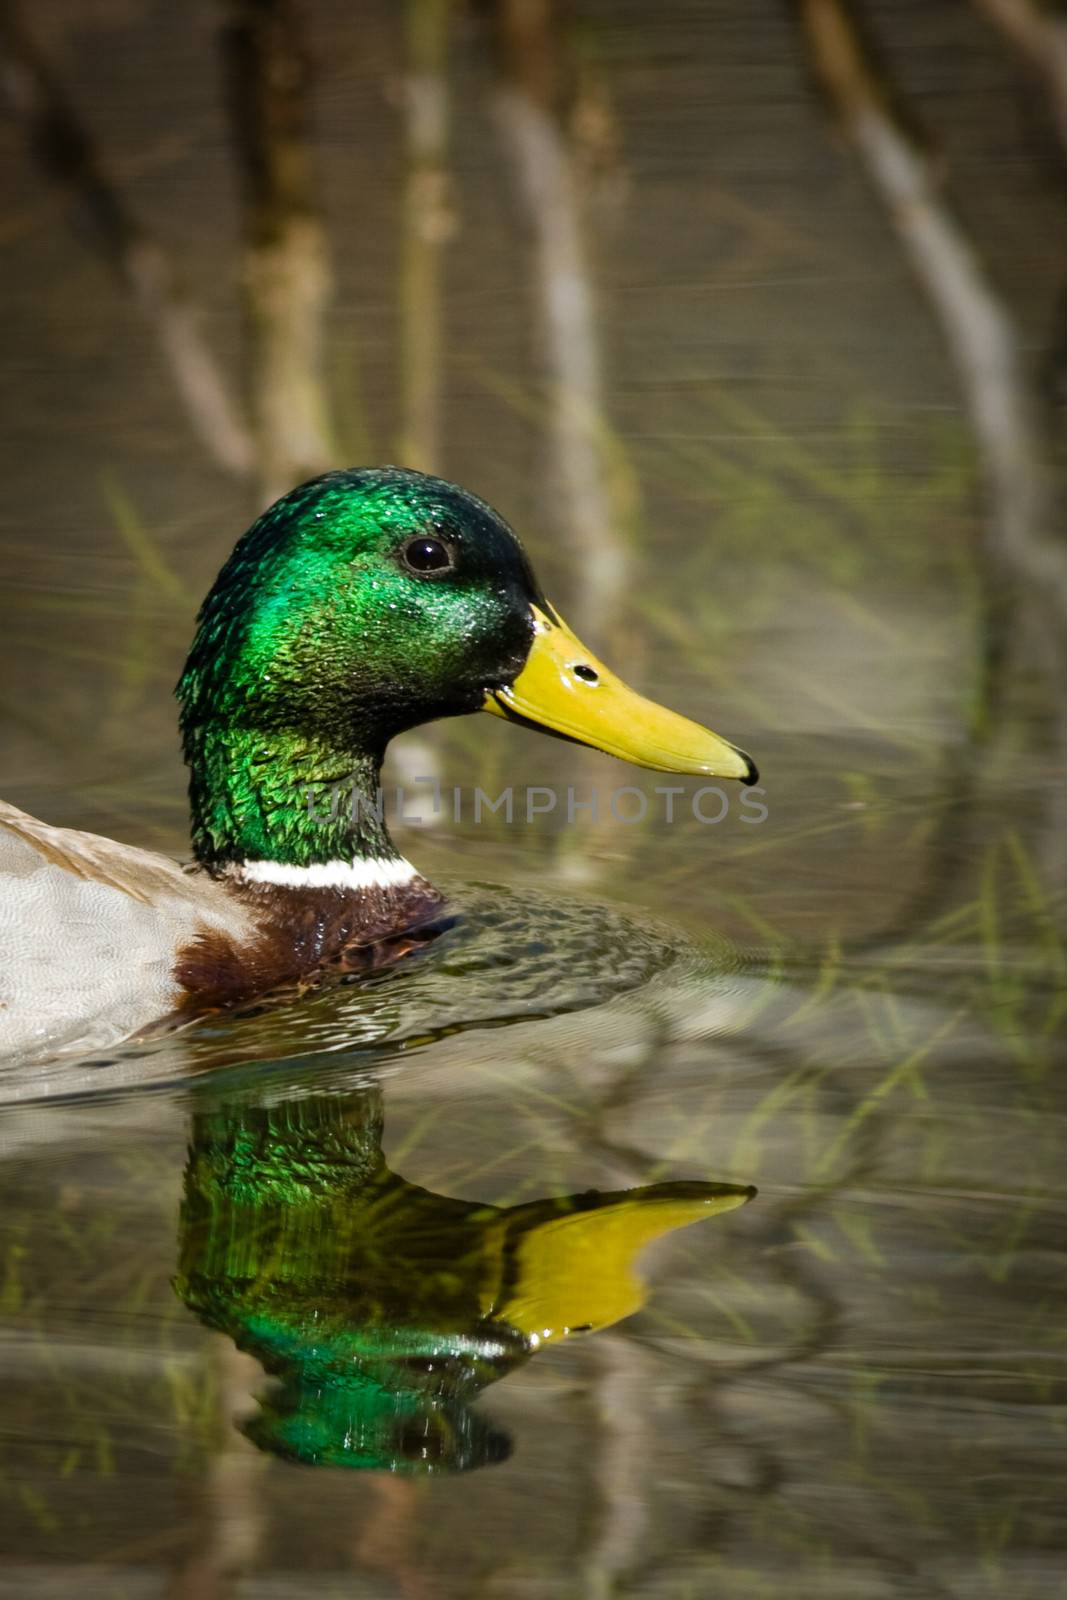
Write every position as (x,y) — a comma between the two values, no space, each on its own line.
(98,940)
(89,935)
(359,605)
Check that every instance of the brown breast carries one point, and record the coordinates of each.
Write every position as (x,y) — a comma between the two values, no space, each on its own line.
(301,937)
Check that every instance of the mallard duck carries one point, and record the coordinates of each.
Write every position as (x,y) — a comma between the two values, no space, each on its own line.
(382,1308)
(357,606)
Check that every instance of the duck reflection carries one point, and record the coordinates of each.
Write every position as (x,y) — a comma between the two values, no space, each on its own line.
(384,1309)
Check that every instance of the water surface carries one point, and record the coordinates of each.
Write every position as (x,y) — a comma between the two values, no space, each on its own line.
(443,1286)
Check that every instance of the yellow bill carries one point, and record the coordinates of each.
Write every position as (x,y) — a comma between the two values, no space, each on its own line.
(564,690)
(576,1273)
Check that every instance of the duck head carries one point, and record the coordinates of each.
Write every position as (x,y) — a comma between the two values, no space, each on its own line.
(360,605)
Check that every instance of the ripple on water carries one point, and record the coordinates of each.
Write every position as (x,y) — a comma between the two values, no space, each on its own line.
(514,955)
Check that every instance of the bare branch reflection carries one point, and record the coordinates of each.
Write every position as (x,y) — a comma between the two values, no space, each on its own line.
(67,154)
(287,276)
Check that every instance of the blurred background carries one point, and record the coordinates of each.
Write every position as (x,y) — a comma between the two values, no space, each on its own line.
(751,317)
(750,320)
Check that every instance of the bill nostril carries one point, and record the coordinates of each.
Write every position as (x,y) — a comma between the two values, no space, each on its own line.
(587,674)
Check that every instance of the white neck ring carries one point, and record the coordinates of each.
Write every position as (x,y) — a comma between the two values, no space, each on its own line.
(364,872)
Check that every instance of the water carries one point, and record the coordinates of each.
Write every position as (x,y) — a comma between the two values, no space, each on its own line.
(851,1384)
(453,1284)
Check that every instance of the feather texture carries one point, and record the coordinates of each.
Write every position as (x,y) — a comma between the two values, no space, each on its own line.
(90,931)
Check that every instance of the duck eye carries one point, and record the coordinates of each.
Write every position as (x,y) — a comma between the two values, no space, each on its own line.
(424,554)
(587,674)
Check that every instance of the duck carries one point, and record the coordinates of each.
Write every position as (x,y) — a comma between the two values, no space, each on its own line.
(359,605)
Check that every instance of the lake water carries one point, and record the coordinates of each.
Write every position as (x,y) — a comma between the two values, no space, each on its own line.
(689,1219)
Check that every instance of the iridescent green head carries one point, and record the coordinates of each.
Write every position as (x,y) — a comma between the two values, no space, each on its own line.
(359,605)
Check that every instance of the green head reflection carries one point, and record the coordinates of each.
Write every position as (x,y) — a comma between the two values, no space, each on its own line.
(383,1309)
